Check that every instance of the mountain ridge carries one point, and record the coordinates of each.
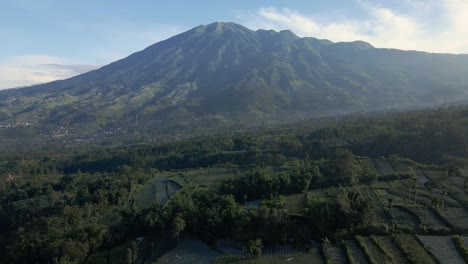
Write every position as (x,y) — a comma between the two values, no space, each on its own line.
(222,73)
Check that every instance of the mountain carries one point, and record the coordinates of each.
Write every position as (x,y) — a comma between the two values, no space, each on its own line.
(224,73)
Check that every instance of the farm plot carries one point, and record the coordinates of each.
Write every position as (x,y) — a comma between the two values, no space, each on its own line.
(404,166)
(448,201)
(296,258)
(442,248)
(436,175)
(355,252)
(428,218)
(155,191)
(392,249)
(379,207)
(413,250)
(370,167)
(334,254)
(458,181)
(208,176)
(295,203)
(385,166)
(370,249)
(458,216)
(172,188)
(231,247)
(404,218)
(386,196)
(188,252)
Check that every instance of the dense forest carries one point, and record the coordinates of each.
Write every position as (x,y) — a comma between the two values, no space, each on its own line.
(77,203)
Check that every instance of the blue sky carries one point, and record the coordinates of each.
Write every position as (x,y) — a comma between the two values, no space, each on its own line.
(45,40)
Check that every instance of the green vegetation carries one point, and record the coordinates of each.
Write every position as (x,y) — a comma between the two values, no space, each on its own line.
(459,243)
(146,202)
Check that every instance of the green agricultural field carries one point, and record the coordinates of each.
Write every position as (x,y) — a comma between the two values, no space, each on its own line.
(295,203)
(354,252)
(155,191)
(334,253)
(387,243)
(189,252)
(385,166)
(299,258)
(436,175)
(458,216)
(414,252)
(208,176)
(404,218)
(442,248)
(403,166)
(369,165)
(371,251)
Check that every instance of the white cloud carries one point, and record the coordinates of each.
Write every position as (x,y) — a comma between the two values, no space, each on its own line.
(415,29)
(35,69)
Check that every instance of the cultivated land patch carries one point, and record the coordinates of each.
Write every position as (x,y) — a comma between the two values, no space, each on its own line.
(428,218)
(404,166)
(296,258)
(189,252)
(413,250)
(295,203)
(404,218)
(458,216)
(334,253)
(370,249)
(384,166)
(397,255)
(208,176)
(355,251)
(370,167)
(155,191)
(443,248)
(435,175)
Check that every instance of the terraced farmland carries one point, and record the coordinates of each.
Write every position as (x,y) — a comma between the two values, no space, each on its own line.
(458,216)
(397,255)
(404,218)
(334,254)
(413,250)
(442,248)
(372,252)
(384,166)
(354,251)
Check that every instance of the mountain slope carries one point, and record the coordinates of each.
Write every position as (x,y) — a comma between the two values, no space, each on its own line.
(223,73)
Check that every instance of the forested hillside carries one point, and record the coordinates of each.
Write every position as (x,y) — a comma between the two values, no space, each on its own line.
(376,185)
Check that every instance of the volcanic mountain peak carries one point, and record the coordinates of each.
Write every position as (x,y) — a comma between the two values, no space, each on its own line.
(222,73)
